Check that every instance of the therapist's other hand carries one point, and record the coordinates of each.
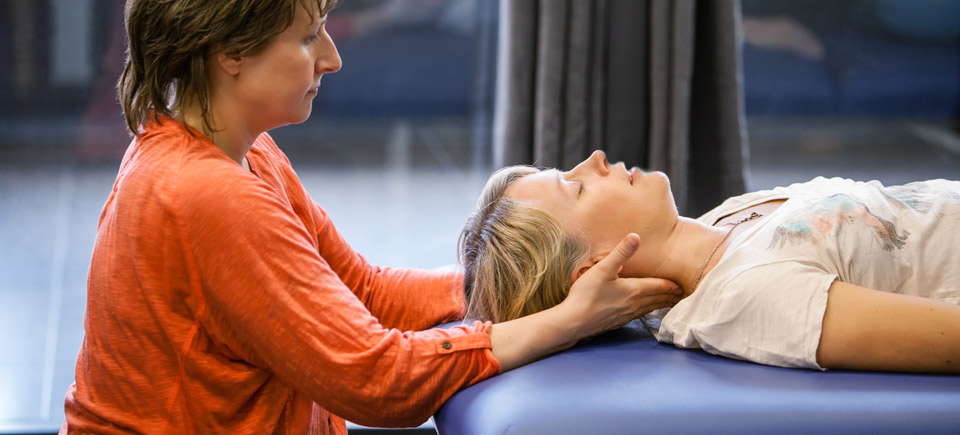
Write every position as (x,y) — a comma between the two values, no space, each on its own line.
(599,300)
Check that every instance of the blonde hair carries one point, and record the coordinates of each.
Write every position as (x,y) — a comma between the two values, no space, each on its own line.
(517,258)
(168,42)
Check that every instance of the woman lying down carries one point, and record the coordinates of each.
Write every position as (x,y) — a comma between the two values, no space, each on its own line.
(830,273)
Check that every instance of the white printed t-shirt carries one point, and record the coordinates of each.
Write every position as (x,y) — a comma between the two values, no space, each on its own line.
(764,301)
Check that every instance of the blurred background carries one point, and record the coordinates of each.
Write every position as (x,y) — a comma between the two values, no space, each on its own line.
(398,146)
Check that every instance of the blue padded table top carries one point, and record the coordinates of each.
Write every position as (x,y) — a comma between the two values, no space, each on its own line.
(625,382)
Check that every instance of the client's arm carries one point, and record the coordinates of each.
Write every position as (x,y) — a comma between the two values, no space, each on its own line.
(865,329)
(598,301)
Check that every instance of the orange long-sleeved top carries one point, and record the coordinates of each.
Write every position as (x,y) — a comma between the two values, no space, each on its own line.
(222,300)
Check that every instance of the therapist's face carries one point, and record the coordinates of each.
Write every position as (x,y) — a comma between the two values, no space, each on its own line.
(277,85)
(602,202)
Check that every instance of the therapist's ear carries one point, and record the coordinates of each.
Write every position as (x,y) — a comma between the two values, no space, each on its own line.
(585,265)
(230,65)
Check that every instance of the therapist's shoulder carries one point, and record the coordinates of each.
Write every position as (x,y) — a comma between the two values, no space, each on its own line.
(266,150)
(214,184)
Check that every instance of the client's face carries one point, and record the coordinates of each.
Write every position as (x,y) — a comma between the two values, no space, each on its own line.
(602,202)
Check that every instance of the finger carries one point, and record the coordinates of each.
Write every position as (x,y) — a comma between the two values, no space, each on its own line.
(649,309)
(610,264)
(657,297)
(653,286)
(655,304)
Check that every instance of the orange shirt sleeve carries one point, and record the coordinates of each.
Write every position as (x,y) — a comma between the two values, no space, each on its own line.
(407,299)
(271,295)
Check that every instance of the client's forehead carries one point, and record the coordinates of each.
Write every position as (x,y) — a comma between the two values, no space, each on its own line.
(526,187)
(545,189)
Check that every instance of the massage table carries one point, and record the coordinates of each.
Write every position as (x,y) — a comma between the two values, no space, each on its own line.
(625,382)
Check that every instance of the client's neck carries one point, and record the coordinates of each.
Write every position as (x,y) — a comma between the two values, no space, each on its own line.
(691,251)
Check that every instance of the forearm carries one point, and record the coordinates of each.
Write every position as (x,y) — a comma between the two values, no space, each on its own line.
(865,329)
(406,299)
(527,339)
(411,299)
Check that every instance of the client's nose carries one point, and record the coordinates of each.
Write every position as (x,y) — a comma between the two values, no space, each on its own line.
(597,162)
(598,156)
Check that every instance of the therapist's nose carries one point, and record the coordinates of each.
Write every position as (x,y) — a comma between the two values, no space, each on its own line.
(327,57)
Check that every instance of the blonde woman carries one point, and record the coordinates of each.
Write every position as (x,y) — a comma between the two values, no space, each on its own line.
(825,274)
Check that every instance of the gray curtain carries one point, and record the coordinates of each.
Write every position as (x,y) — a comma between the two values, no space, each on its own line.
(653,83)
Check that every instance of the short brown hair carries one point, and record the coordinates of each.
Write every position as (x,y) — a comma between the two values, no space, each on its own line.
(168,42)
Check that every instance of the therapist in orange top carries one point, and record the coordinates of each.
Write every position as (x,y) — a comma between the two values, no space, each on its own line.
(221,299)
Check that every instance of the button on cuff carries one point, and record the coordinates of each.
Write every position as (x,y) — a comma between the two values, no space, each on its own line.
(459,344)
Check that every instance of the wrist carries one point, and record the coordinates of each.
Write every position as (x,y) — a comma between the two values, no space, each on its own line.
(565,322)
(572,318)
(521,341)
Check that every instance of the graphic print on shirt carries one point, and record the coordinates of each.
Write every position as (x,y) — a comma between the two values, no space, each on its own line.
(917,196)
(835,214)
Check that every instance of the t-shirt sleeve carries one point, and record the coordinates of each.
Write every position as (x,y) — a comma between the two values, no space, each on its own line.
(769,314)
(272,299)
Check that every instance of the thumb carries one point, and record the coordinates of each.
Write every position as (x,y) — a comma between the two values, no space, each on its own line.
(610,265)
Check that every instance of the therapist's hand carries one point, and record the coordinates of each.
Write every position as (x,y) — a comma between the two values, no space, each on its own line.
(600,301)
(597,302)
